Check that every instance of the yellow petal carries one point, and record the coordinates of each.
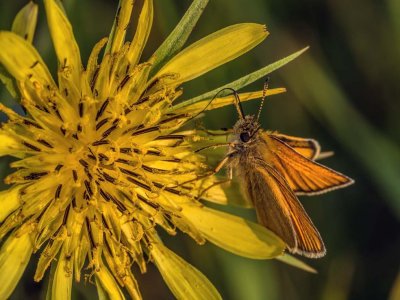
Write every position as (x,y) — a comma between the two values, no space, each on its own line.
(62,281)
(116,261)
(46,258)
(102,85)
(24,25)
(107,286)
(92,62)
(294,262)
(231,190)
(80,256)
(21,59)
(64,41)
(216,194)
(9,145)
(14,257)
(132,286)
(9,83)
(178,37)
(117,36)
(185,281)
(184,225)
(25,22)
(9,201)
(395,289)
(142,32)
(214,50)
(234,234)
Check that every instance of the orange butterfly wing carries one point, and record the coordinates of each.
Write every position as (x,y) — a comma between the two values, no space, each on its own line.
(304,176)
(279,210)
(307,147)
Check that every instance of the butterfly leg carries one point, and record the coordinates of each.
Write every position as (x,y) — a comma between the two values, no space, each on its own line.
(225,132)
(221,164)
(217,169)
(213,185)
(230,173)
(215,146)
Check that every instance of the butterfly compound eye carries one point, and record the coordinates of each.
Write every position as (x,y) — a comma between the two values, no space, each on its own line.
(244,137)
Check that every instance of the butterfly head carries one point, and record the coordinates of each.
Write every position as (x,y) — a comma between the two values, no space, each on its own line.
(245,129)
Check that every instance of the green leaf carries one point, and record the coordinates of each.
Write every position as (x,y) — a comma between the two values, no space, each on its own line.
(189,106)
(50,280)
(246,80)
(178,37)
(294,262)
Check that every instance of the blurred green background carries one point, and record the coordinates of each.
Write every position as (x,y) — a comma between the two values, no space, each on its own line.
(344,92)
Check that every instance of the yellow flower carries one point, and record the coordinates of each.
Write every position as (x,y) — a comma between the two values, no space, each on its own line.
(102,162)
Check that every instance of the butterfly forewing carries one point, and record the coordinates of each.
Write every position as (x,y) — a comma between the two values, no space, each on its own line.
(303,175)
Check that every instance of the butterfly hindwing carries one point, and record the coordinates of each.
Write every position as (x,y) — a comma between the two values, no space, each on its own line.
(309,148)
(279,210)
(263,192)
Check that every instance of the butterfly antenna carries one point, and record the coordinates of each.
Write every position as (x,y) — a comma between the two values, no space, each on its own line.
(264,95)
(237,103)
